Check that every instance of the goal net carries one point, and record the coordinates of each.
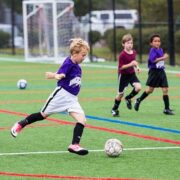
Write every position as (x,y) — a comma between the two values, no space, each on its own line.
(48,27)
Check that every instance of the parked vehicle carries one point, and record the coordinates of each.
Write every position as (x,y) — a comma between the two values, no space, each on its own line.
(103,20)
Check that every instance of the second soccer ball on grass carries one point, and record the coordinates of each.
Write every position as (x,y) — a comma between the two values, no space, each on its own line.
(22,84)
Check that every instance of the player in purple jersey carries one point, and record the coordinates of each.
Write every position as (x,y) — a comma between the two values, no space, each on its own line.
(72,82)
(156,75)
(126,74)
(64,97)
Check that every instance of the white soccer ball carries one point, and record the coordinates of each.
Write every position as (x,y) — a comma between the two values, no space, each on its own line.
(113,147)
(22,84)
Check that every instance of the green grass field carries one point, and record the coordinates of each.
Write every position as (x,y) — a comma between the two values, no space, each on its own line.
(151,139)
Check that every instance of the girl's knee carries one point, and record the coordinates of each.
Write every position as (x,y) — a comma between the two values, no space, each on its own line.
(119,96)
(79,117)
(165,91)
(149,90)
(137,87)
(44,115)
(84,122)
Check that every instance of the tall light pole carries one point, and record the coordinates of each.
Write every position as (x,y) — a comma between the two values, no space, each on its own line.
(140,31)
(12,25)
(171,32)
(90,31)
(114,30)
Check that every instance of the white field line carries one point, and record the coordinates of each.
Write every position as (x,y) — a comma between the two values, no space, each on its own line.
(100,150)
(115,67)
(85,65)
(11,59)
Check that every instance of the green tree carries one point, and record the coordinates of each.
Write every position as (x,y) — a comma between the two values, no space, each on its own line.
(82,7)
(155,11)
(17,5)
(151,10)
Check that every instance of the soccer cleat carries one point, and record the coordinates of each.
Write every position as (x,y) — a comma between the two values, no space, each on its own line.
(115,113)
(16,129)
(128,103)
(168,112)
(137,104)
(75,148)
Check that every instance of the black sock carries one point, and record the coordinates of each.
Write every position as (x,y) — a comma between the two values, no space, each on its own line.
(78,130)
(31,119)
(132,94)
(143,96)
(166,101)
(116,104)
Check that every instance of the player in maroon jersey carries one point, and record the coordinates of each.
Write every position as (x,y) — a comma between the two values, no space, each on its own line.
(127,74)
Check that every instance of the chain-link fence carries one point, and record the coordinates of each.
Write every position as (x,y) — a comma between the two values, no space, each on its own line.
(103,24)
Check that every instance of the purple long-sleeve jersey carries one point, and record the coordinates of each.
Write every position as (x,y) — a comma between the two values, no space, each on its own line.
(72,80)
(153,55)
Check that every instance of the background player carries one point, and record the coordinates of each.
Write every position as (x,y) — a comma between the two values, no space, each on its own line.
(126,74)
(156,75)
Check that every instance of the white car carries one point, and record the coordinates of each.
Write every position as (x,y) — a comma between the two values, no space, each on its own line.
(103,20)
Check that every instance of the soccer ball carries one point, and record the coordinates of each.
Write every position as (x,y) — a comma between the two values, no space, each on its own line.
(22,84)
(113,147)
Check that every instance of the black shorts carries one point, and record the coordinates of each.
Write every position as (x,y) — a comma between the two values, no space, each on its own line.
(157,78)
(125,79)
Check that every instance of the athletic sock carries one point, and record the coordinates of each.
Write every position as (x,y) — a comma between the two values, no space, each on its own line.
(116,104)
(143,96)
(31,119)
(166,101)
(78,130)
(132,94)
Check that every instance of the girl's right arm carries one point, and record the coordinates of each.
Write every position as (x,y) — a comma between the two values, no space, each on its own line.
(51,75)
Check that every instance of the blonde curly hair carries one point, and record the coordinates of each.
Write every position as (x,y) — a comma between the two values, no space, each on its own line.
(77,44)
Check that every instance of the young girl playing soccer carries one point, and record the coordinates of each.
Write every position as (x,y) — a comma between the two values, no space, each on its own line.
(64,97)
(156,76)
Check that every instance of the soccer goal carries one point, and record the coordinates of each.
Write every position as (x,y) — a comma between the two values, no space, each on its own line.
(48,27)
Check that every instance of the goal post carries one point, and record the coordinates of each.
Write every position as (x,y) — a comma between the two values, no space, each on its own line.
(48,27)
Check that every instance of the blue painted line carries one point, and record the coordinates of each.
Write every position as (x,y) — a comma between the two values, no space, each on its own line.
(133,124)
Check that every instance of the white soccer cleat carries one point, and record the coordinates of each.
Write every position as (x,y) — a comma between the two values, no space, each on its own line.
(115,113)
(16,129)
